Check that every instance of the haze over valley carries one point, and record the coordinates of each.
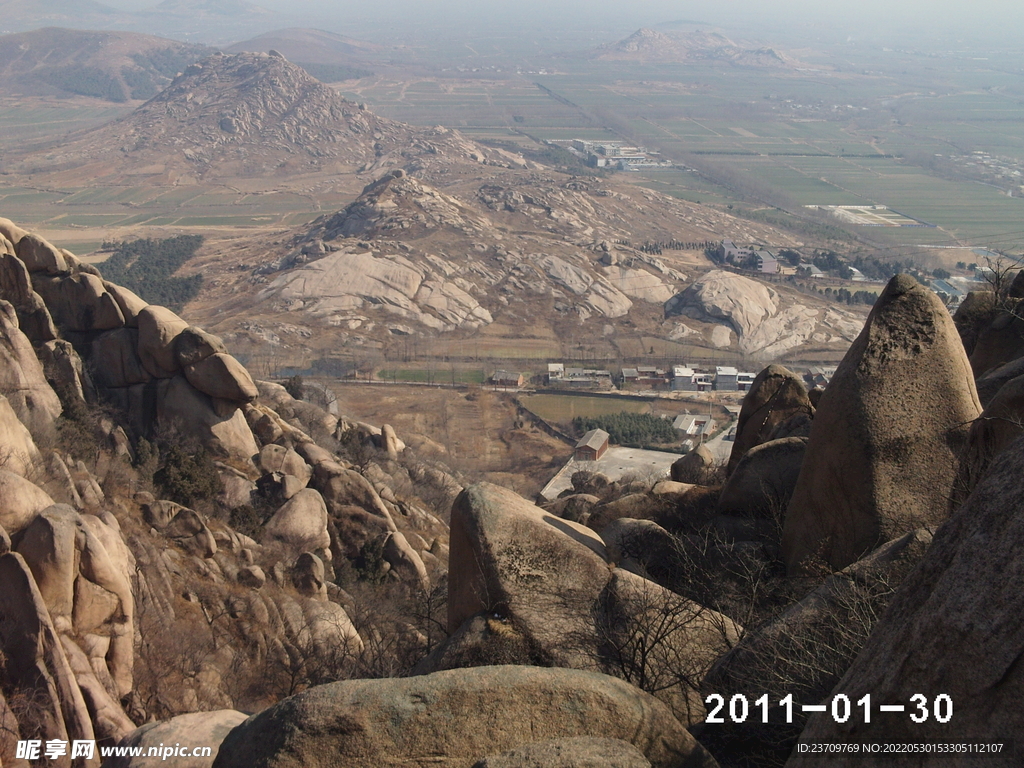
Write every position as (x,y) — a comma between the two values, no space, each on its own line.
(560,370)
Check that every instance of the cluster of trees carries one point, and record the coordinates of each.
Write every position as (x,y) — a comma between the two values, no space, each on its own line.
(87,81)
(147,266)
(657,247)
(634,429)
(856,297)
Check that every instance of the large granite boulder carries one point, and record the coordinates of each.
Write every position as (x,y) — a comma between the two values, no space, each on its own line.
(510,557)
(881,459)
(775,396)
(762,482)
(79,303)
(301,523)
(18,451)
(454,718)
(342,487)
(697,467)
(577,752)
(222,376)
(224,432)
(22,379)
(39,256)
(953,627)
(129,304)
(973,316)
(158,329)
(21,501)
(205,729)
(16,287)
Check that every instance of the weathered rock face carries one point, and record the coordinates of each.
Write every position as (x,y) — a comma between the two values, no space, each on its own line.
(874,468)
(35,656)
(16,287)
(973,316)
(180,405)
(79,302)
(158,329)
(223,377)
(207,729)
(22,501)
(578,752)
(776,395)
(951,628)
(18,452)
(512,558)
(762,483)
(22,379)
(999,341)
(459,716)
(696,467)
(999,425)
(301,523)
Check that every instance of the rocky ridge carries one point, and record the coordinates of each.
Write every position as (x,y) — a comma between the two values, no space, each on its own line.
(411,257)
(650,45)
(320,564)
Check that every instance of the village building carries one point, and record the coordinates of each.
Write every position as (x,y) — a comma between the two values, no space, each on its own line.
(645,376)
(508,379)
(695,426)
(767,263)
(726,378)
(592,446)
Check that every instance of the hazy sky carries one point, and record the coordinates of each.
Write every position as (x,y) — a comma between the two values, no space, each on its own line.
(1002,18)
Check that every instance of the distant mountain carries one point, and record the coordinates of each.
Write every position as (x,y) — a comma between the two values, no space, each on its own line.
(696,46)
(116,66)
(245,114)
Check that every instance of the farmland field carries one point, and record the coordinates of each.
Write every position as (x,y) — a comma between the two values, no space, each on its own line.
(783,138)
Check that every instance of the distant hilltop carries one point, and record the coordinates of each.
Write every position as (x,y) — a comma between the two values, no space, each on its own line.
(650,45)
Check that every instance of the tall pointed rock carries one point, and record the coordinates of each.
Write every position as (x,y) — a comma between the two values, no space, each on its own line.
(883,449)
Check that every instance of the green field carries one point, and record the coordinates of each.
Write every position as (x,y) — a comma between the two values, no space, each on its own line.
(562,409)
(785,139)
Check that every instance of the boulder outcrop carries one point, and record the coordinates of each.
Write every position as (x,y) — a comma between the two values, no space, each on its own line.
(875,469)
(762,482)
(951,628)
(510,557)
(455,717)
(578,752)
(695,468)
(198,728)
(775,396)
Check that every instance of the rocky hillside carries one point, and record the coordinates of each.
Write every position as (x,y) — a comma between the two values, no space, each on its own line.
(181,544)
(248,116)
(527,250)
(653,46)
(116,66)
